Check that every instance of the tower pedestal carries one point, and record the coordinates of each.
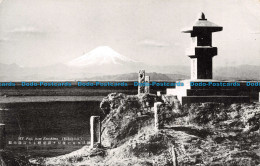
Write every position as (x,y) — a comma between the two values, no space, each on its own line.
(202,90)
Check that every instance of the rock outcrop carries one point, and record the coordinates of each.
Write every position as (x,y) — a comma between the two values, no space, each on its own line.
(206,134)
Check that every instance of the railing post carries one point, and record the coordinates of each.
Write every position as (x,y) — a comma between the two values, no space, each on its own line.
(157,115)
(174,157)
(147,84)
(95,131)
(2,136)
(141,81)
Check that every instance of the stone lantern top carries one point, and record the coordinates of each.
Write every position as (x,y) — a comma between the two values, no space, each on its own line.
(202,25)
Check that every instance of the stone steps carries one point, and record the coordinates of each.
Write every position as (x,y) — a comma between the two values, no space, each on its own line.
(213,92)
(216,99)
(207,92)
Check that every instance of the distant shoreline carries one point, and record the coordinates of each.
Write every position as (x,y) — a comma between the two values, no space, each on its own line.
(28,99)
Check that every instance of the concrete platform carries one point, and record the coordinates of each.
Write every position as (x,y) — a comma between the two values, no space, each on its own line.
(211,84)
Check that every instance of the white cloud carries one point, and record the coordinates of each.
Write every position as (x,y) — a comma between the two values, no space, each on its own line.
(25,30)
(153,43)
(255,32)
(5,39)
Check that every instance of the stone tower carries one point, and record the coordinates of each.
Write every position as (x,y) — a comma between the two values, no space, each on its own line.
(202,52)
(200,88)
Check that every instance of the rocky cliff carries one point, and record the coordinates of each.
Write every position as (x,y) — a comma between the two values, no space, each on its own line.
(206,134)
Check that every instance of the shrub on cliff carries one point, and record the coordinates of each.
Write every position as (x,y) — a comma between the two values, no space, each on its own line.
(250,116)
(8,158)
(241,116)
(207,112)
(124,120)
(155,148)
(112,101)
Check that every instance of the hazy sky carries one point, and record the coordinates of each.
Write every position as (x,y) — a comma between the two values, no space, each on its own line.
(45,32)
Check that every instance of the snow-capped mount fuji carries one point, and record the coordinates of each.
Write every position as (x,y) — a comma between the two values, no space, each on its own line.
(102,55)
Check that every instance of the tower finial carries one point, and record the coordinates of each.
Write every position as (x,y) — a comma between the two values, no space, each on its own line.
(202,17)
